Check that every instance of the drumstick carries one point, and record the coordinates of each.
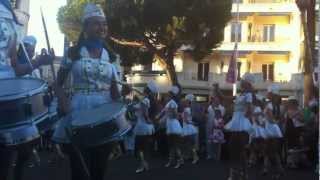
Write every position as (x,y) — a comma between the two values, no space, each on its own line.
(26,54)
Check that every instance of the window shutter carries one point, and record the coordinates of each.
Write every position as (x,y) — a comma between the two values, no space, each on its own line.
(271,72)
(264,71)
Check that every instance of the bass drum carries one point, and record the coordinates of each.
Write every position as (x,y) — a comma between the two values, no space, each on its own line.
(101,125)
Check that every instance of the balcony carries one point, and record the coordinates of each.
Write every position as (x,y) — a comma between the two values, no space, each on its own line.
(259,46)
(189,80)
(267,7)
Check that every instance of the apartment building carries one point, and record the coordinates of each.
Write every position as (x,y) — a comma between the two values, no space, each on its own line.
(270,46)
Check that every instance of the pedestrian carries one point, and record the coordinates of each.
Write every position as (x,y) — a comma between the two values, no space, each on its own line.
(216,136)
(215,103)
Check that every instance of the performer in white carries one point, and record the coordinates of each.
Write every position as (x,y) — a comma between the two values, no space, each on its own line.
(240,127)
(93,83)
(144,128)
(173,128)
(190,131)
(26,54)
(274,138)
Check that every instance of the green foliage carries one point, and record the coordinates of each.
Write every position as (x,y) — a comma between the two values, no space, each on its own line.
(144,28)
(69,17)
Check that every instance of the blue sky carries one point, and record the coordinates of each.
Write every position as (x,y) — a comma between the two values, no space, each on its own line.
(50,9)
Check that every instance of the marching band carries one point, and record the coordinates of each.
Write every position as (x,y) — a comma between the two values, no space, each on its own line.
(92,115)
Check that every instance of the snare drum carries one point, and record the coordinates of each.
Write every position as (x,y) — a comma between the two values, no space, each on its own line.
(101,125)
(22,106)
(22,100)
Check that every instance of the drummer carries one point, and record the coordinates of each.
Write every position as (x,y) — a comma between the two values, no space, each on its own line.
(26,53)
(8,67)
(93,84)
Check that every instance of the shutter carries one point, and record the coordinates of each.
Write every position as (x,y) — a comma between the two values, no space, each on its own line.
(264,71)
(271,72)
(265,33)
(206,72)
(200,70)
(272,33)
(239,33)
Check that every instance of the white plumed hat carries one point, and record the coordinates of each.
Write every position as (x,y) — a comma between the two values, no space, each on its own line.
(189,97)
(174,90)
(31,40)
(249,78)
(92,10)
(153,87)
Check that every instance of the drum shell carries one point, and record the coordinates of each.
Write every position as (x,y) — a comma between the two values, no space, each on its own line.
(26,102)
(101,133)
(19,135)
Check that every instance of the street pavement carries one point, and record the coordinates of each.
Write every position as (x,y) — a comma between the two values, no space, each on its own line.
(124,169)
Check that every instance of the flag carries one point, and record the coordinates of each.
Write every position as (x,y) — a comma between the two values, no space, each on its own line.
(232,70)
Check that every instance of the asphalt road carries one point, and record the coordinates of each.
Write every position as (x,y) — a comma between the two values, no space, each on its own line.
(124,169)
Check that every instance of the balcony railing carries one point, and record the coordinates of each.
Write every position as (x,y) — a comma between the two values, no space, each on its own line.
(265,1)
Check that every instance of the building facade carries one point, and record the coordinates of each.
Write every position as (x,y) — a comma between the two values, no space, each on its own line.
(270,46)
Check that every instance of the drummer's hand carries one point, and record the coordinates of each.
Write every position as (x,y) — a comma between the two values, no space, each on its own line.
(126,89)
(46,58)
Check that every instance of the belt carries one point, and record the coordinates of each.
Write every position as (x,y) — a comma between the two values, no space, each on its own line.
(89,88)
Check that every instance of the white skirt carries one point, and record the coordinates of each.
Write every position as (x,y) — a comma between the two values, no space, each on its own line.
(239,123)
(189,129)
(258,132)
(273,130)
(143,129)
(173,126)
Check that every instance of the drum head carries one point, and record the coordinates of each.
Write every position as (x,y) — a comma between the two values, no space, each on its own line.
(15,88)
(94,116)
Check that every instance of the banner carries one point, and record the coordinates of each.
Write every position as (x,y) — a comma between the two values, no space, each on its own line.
(232,70)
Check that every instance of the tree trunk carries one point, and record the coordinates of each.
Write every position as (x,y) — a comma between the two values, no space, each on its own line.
(308,66)
(168,65)
(171,72)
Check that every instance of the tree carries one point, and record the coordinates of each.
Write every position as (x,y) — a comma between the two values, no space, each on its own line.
(307,9)
(158,27)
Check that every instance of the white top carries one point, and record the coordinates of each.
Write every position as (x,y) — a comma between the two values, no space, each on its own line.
(8,38)
(91,74)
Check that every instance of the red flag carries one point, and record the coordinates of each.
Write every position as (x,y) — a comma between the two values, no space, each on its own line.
(232,70)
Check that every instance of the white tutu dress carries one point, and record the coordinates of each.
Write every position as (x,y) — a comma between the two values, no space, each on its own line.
(239,123)
(188,128)
(272,128)
(143,128)
(173,126)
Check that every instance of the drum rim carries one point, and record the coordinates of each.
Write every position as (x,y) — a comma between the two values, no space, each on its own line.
(122,111)
(33,92)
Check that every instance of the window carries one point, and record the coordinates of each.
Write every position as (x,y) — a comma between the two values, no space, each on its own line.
(203,71)
(234,28)
(268,72)
(268,33)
